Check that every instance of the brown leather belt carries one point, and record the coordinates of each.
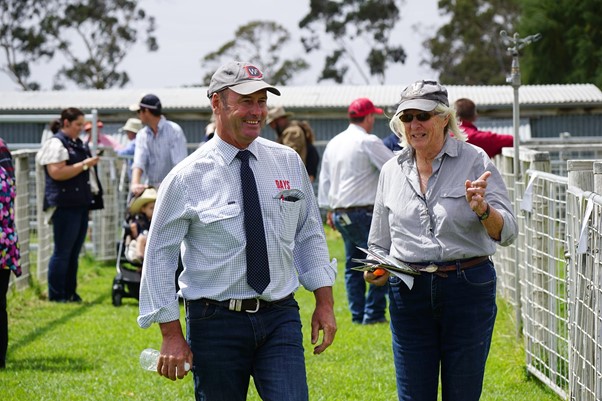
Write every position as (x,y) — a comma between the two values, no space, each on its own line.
(367,208)
(250,305)
(449,266)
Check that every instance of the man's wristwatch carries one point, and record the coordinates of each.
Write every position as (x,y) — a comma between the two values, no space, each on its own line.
(84,166)
(485,215)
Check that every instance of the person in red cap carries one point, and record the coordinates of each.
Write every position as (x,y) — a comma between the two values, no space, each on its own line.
(103,140)
(351,165)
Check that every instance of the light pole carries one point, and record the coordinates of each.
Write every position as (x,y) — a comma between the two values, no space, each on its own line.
(515,44)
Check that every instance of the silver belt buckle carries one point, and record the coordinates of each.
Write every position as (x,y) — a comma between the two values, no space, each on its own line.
(256,306)
(430,268)
(236,305)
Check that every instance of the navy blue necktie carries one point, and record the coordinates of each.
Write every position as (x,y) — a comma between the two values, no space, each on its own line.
(258,272)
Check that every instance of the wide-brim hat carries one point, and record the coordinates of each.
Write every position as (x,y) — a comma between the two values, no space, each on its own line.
(276,113)
(422,95)
(149,195)
(241,77)
(132,125)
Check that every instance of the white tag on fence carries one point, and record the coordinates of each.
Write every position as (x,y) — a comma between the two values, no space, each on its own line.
(526,203)
(582,247)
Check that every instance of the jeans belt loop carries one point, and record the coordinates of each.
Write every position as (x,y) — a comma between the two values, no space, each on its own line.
(236,305)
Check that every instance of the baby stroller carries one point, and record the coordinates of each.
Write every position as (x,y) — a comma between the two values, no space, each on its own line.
(126,283)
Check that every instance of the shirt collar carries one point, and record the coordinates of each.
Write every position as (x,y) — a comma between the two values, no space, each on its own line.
(467,124)
(162,122)
(229,152)
(357,128)
(160,125)
(450,148)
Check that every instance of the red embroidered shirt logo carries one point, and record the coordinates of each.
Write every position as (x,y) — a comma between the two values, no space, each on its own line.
(283,184)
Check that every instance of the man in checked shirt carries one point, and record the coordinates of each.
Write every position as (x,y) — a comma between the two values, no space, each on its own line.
(235,330)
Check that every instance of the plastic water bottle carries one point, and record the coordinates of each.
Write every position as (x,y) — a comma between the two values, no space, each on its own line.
(150,357)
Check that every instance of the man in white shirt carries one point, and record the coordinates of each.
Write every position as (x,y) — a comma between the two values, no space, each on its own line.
(348,180)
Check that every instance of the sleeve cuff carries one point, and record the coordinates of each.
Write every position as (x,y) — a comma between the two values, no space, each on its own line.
(319,277)
(166,314)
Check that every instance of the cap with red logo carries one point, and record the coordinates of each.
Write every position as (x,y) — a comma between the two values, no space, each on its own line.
(362,107)
(241,77)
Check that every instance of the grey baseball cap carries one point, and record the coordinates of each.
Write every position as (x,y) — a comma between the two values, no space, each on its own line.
(422,95)
(241,77)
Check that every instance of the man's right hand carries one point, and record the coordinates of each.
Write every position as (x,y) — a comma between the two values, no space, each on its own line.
(175,352)
(137,189)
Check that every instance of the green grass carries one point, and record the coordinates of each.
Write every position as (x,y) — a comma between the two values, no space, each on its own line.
(90,351)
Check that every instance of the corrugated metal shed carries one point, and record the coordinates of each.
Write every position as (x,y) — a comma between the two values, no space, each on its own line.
(546,110)
(324,97)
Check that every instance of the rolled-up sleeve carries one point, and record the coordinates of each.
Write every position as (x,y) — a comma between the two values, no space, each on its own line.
(158,297)
(141,150)
(311,251)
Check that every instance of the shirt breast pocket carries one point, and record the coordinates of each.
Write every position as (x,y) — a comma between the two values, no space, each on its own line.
(456,209)
(292,205)
(218,213)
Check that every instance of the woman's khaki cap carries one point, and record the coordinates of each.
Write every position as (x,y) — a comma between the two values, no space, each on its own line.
(422,95)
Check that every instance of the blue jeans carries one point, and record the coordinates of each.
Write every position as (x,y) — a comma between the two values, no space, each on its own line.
(70,225)
(365,307)
(229,347)
(443,324)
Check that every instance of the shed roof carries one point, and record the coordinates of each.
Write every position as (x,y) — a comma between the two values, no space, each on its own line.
(300,97)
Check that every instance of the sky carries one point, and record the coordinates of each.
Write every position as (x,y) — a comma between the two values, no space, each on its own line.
(189,29)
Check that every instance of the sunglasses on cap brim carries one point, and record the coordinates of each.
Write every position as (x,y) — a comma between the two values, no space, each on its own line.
(422,117)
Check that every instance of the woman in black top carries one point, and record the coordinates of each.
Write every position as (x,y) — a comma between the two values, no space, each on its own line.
(67,199)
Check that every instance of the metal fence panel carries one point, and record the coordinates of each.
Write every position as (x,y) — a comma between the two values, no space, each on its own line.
(543,272)
(584,240)
(560,306)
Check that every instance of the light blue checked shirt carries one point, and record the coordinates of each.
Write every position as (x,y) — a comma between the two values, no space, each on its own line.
(199,210)
(440,225)
(157,154)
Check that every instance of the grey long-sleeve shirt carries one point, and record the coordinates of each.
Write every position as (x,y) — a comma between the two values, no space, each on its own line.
(439,225)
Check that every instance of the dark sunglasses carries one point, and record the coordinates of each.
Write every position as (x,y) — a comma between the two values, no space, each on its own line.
(424,116)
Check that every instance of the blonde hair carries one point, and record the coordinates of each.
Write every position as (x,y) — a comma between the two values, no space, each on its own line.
(452,125)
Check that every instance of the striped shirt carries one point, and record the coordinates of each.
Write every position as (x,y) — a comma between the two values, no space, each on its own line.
(157,154)
(199,212)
